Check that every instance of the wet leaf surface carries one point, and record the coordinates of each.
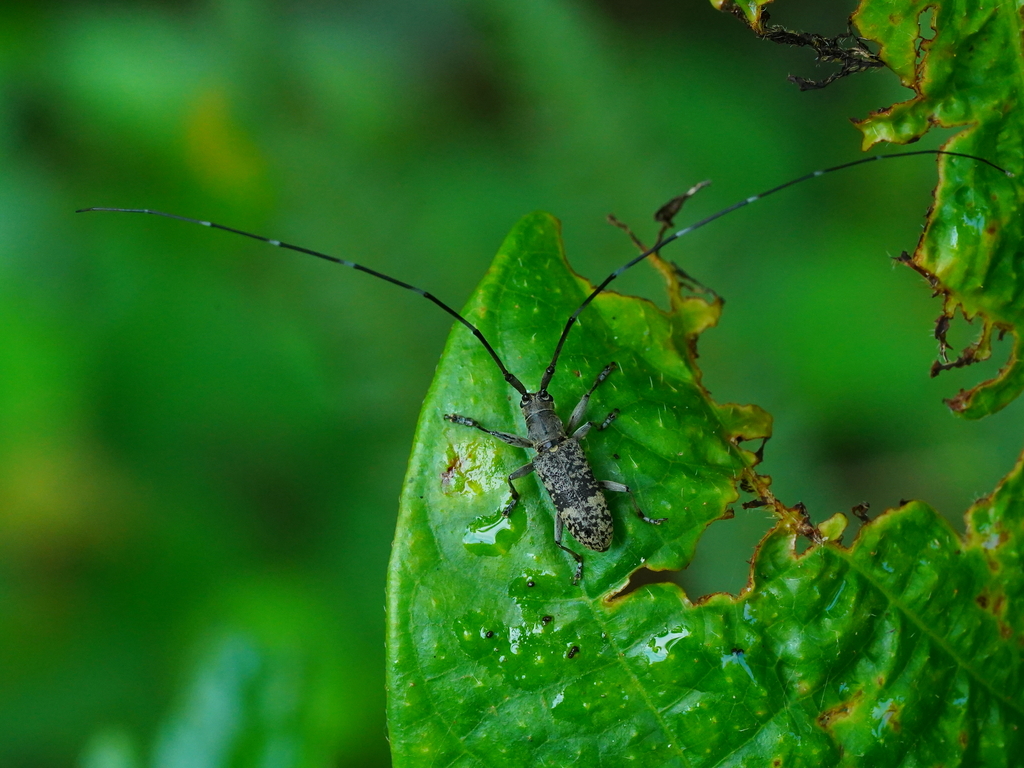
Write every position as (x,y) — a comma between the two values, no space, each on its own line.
(904,644)
(482,610)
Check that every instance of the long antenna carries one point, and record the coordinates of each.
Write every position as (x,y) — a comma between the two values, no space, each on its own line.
(550,371)
(509,377)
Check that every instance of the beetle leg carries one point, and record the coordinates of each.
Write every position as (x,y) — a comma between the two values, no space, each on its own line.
(611,485)
(558,540)
(580,433)
(521,472)
(584,429)
(581,407)
(505,437)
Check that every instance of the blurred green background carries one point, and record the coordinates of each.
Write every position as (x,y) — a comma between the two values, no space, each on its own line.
(203,438)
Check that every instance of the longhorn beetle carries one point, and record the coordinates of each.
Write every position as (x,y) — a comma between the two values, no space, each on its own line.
(559,461)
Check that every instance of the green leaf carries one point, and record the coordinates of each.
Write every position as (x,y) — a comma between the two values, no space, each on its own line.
(677,450)
(902,649)
(486,631)
(906,646)
(966,76)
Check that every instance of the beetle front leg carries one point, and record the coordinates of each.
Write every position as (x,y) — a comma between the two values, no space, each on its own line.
(521,472)
(581,407)
(558,540)
(580,433)
(505,437)
(611,485)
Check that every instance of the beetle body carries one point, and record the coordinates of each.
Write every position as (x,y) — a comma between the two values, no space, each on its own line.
(579,502)
(566,474)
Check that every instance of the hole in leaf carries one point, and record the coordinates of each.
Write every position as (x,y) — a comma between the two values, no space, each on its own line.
(641,577)
(721,562)
(925,22)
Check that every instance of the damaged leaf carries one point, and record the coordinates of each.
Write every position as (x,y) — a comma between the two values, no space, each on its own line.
(965,75)
(903,647)
(848,50)
(484,621)
(907,644)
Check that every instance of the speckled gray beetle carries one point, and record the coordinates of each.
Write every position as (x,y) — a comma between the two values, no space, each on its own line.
(560,462)
(563,468)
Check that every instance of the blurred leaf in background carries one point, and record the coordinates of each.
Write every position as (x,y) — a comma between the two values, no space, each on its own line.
(203,438)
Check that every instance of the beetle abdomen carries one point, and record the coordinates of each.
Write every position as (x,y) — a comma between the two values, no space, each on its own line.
(578,499)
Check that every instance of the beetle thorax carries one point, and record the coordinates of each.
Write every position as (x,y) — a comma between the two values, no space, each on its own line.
(542,423)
